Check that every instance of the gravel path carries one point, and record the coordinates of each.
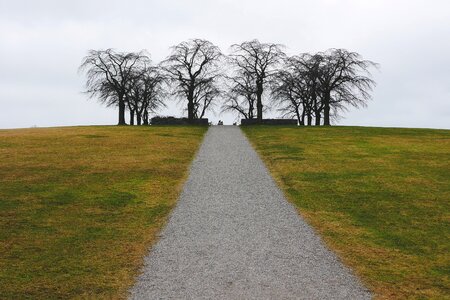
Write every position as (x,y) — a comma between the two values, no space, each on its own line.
(233,235)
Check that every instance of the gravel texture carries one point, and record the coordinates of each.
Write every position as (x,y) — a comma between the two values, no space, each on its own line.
(233,235)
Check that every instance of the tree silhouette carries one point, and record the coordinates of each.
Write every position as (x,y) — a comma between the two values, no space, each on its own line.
(258,60)
(344,80)
(193,69)
(146,94)
(322,84)
(109,75)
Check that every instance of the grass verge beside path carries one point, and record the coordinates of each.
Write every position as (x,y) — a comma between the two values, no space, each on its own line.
(380,198)
(79,206)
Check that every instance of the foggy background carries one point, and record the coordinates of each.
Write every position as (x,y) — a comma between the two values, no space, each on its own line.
(43,42)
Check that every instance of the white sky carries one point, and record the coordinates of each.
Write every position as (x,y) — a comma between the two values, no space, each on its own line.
(42,44)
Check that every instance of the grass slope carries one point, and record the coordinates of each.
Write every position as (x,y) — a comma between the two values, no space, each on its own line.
(380,198)
(80,206)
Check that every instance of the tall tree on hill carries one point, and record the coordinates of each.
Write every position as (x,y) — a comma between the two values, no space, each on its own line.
(193,66)
(290,91)
(344,79)
(133,97)
(109,74)
(309,66)
(322,84)
(297,89)
(146,94)
(258,60)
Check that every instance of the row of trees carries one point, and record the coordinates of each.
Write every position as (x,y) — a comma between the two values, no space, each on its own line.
(252,79)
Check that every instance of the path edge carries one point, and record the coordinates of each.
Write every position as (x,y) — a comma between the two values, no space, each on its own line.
(281,187)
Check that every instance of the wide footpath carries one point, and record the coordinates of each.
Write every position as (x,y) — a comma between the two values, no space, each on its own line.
(233,235)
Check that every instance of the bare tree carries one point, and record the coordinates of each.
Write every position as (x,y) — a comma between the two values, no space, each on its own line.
(146,94)
(241,95)
(192,66)
(344,79)
(259,60)
(322,84)
(296,88)
(290,90)
(306,67)
(310,68)
(109,74)
(133,96)
(153,93)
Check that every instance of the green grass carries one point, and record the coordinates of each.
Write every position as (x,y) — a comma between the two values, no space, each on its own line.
(80,206)
(380,198)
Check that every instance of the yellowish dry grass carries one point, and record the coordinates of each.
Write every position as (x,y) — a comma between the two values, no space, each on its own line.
(80,206)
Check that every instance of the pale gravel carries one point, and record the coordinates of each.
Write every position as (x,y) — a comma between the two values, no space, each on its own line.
(233,235)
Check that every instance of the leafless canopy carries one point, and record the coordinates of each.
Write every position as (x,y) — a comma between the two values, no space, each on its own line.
(314,88)
(296,88)
(345,79)
(323,84)
(109,75)
(258,62)
(193,70)
(146,94)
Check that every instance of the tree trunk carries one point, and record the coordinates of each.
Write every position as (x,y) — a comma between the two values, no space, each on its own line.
(299,118)
(326,110)
(145,117)
(121,111)
(250,112)
(139,118)
(304,111)
(131,117)
(318,116)
(259,105)
(326,115)
(309,119)
(191,110)
(190,107)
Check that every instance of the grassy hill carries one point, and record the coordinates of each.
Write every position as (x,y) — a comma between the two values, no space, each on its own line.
(79,206)
(380,197)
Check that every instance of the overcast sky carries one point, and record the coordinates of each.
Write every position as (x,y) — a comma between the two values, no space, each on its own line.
(42,43)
